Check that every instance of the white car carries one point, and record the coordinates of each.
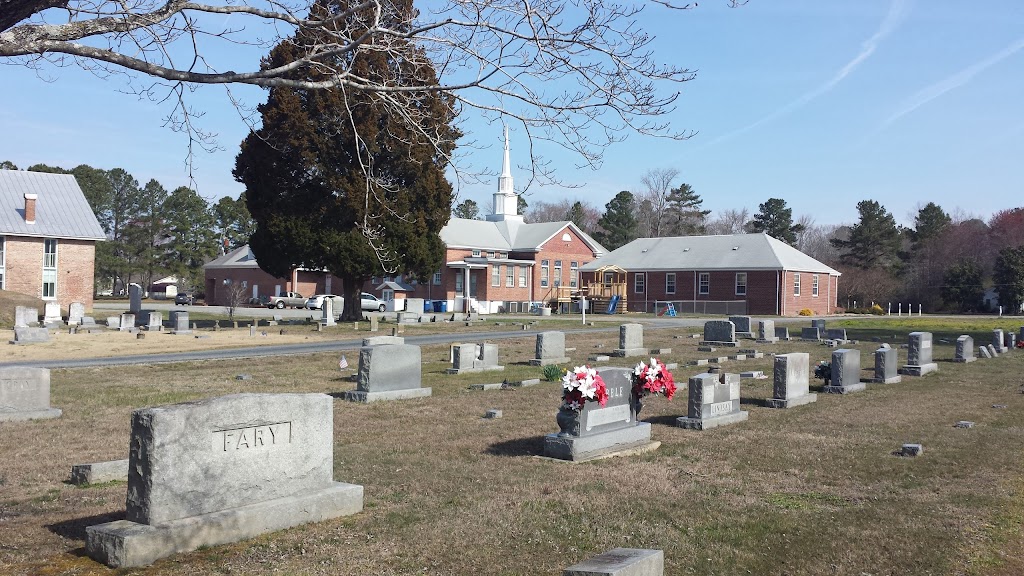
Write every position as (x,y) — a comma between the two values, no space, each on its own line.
(370,302)
(316,302)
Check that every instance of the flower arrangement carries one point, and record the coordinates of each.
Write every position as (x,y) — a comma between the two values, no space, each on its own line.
(581,384)
(653,378)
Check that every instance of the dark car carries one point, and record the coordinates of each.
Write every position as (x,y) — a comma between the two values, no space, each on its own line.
(184,299)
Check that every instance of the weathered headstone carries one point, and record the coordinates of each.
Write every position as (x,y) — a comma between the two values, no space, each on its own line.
(719,333)
(838,334)
(221,470)
(984,352)
(25,316)
(791,386)
(714,400)
(766,332)
(602,430)
(845,372)
(475,358)
(113,322)
(379,340)
(782,333)
(25,394)
(180,322)
(152,320)
(743,326)
(812,333)
(389,372)
(99,472)
(885,366)
(1009,340)
(89,325)
(51,314)
(631,341)
(919,355)
(31,335)
(134,298)
(327,313)
(997,341)
(550,349)
(126,323)
(621,562)
(414,305)
(964,349)
(76,311)
(818,324)
(992,350)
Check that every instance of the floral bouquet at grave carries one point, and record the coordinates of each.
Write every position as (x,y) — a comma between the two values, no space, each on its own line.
(582,384)
(653,378)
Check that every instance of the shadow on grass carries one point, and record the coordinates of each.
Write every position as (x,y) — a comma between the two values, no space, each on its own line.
(662,420)
(529,446)
(762,402)
(75,529)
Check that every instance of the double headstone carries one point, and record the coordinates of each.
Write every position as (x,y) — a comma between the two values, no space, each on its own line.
(885,366)
(845,372)
(997,341)
(812,333)
(598,430)
(743,326)
(919,355)
(25,394)
(792,381)
(631,341)
(76,311)
(31,335)
(719,333)
(766,332)
(475,358)
(714,400)
(327,313)
(221,470)
(389,372)
(550,349)
(51,314)
(180,322)
(964,349)
(25,316)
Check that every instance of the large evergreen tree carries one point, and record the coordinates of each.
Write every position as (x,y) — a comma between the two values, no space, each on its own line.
(233,222)
(193,240)
(1008,276)
(618,226)
(962,287)
(874,240)
(776,219)
(930,222)
(468,209)
(684,216)
(333,179)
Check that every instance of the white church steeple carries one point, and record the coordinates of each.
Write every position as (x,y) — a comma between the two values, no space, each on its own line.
(506,203)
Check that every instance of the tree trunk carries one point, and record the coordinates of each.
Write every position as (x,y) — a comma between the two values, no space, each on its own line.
(351,289)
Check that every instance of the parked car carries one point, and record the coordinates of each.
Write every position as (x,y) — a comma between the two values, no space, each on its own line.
(184,299)
(370,302)
(316,302)
(292,299)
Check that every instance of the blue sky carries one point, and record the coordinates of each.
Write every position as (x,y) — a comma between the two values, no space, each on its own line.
(822,104)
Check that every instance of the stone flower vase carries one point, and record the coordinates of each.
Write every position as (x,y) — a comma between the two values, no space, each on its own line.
(568,422)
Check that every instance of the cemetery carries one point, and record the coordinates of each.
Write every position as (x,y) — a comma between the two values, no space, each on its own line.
(481,477)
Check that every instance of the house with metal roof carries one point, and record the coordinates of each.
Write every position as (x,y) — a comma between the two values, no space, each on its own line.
(48,236)
(726,274)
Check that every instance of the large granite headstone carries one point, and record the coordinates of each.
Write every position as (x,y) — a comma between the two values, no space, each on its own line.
(604,429)
(964,349)
(179,320)
(997,341)
(221,470)
(134,298)
(818,324)
(792,381)
(766,332)
(25,316)
(76,311)
(31,335)
(475,358)
(631,341)
(714,400)
(919,355)
(812,333)
(836,334)
(719,333)
(327,313)
(1009,340)
(388,372)
(782,333)
(25,394)
(51,314)
(621,562)
(550,349)
(885,366)
(845,372)
(743,326)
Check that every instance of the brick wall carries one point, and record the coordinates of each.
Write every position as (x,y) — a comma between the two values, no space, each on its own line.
(76,260)
(821,304)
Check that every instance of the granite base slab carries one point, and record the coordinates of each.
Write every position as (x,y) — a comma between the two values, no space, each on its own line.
(582,448)
(965,360)
(626,352)
(772,340)
(470,370)
(847,389)
(547,361)
(892,380)
(621,562)
(708,423)
(791,402)
(711,343)
(367,397)
(919,370)
(99,472)
(30,415)
(125,544)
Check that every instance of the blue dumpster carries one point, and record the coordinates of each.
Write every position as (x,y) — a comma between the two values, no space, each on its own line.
(427,306)
(436,305)
(443,306)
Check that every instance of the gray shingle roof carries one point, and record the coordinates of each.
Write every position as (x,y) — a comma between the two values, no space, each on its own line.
(241,257)
(507,234)
(61,208)
(727,252)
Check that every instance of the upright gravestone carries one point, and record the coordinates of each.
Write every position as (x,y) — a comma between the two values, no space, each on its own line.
(1009,340)
(25,316)
(719,333)
(845,372)
(838,334)
(964,349)
(475,358)
(134,298)
(997,341)
(792,381)
(743,326)
(389,372)
(383,340)
(782,333)
(550,349)
(126,322)
(76,311)
(327,313)
(221,470)
(919,355)
(25,394)
(812,333)
(154,320)
(818,324)
(885,366)
(180,322)
(766,332)
(631,341)
(51,314)
(714,400)
(599,430)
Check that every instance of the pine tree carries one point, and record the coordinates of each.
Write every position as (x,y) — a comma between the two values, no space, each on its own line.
(1008,276)
(776,219)
(962,287)
(468,209)
(618,226)
(193,239)
(577,216)
(874,240)
(685,218)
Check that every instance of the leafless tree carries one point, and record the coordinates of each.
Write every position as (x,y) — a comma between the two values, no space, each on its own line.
(730,221)
(654,199)
(813,240)
(236,297)
(541,211)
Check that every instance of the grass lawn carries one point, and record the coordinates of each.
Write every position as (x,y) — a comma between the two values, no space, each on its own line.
(811,490)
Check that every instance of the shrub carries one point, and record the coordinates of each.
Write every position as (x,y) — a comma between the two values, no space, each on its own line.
(553,373)
(807,312)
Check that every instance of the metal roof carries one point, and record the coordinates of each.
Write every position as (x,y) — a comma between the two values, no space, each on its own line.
(61,208)
(726,252)
(512,234)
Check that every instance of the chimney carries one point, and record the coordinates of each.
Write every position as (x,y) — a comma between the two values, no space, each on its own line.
(30,208)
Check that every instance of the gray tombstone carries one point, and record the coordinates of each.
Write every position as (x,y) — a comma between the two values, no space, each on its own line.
(782,333)
(25,394)
(113,322)
(221,470)
(601,430)
(836,334)
(25,316)
(383,340)
(812,333)
(1020,334)
(76,311)
(134,298)
(631,341)
(126,322)
(327,313)
(714,400)
(964,349)
(179,320)
(389,372)
(766,332)
(621,562)
(997,341)
(719,333)
(1009,340)
(743,326)
(992,350)
(152,320)
(414,305)
(31,335)
(885,366)
(550,349)
(51,314)
(474,358)
(984,352)
(99,472)
(919,355)
(845,372)
(818,324)
(792,381)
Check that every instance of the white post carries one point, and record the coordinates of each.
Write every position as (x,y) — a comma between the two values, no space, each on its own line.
(1000,311)
(888,309)
(899,309)
(919,310)
(583,308)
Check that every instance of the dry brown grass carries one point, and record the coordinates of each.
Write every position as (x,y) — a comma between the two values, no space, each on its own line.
(812,490)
